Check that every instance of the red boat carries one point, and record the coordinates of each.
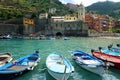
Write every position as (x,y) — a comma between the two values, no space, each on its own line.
(113,61)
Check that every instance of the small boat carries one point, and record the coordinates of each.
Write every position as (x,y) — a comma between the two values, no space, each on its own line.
(88,62)
(66,38)
(6,37)
(19,66)
(58,66)
(113,61)
(115,51)
(5,58)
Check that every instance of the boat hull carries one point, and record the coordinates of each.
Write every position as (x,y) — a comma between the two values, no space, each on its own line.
(97,70)
(88,62)
(59,76)
(9,76)
(113,61)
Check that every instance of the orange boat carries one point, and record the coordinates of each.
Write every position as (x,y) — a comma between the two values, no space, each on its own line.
(113,61)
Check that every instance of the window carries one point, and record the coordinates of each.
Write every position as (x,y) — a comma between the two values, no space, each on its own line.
(56,25)
(65,28)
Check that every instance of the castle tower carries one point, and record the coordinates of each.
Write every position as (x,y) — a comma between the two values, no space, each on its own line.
(81,12)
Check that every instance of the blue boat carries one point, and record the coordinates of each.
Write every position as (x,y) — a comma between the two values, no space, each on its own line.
(88,62)
(19,66)
(115,51)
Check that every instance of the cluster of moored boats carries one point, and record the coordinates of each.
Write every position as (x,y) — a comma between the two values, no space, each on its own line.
(10,69)
(110,56)
(60,67)
(5,37)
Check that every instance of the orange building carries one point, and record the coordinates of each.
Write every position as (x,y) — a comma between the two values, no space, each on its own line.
(93,22)
(89,19)
(98,22)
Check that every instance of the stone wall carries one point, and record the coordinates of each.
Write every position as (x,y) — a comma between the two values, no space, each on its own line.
(8,29)
(73,28)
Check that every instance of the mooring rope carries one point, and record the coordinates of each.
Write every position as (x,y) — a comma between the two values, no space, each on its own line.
(42,69)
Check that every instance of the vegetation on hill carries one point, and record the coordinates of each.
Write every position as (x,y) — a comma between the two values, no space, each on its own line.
(10,9)
(107,7)
(17,8)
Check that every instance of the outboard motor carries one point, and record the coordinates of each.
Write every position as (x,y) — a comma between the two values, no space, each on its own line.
(100,48)
(110,46)
(118,45)
(36,51)
(92,50)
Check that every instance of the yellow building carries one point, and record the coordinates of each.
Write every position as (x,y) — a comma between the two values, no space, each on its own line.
(28,21)
(29,25)
(70,18)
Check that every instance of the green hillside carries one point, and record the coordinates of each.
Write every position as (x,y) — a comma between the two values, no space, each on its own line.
(10,9)
(107,7)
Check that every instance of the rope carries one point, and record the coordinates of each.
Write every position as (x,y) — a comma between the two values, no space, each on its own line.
(42,69)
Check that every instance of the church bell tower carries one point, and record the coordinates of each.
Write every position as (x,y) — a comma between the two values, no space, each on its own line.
(81,12)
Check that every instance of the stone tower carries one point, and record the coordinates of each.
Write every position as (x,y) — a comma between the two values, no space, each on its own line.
(81,12)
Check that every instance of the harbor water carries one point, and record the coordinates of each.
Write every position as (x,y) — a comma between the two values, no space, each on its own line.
(21,47)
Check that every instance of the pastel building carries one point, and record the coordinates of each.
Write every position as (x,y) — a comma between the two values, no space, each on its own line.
(70,18)
(99,23)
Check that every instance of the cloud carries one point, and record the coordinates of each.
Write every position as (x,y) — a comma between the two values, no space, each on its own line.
(85,2)
(66,1)
(63,1)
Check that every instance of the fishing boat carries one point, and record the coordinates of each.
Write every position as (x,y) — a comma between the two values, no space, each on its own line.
(58,66)
(6,37)
(88,62)
(113,61)
(5,58)
(115,51)
(19,66)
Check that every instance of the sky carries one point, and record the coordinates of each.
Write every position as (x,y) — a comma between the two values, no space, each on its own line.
(85,2)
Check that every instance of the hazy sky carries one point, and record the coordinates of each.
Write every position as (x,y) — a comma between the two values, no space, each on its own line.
(85,2)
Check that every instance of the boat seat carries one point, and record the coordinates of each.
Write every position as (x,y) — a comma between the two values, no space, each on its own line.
(32,58)
(77,54)
(3,58)
(60,63)
(17,67)
(86,57)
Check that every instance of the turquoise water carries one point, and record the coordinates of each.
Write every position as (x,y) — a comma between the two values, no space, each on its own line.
(20,47)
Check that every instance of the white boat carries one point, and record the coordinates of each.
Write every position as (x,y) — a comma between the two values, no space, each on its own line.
(7,37)
(66,38)
(5,58)
(58,67)
(88,62)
